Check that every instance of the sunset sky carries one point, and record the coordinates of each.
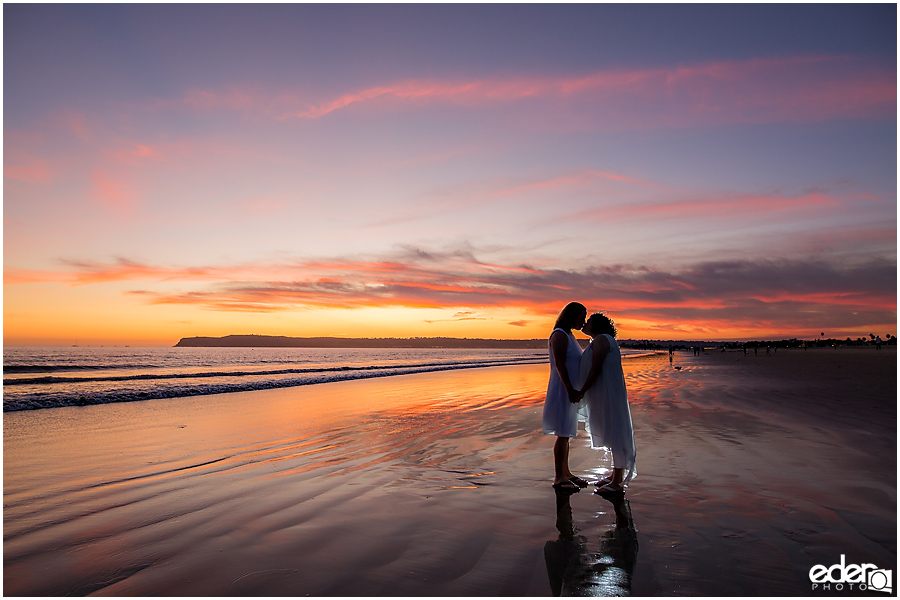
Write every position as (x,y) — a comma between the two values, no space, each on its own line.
(715,172)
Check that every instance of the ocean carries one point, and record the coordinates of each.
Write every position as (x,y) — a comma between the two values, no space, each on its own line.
(49,377)
(438,484)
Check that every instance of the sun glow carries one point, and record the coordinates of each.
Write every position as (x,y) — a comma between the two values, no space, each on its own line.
(728,194)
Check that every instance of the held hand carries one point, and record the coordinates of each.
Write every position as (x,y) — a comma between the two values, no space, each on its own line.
(575,396)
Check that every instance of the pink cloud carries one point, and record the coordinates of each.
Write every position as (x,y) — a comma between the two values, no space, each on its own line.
(24,166)
(757,90)
(86,272)
(133,154)
(727,206)
(36,172)
(233,99)
(860,238)
(409,90)
(264,205)
(77,124)
(582,178)
(453,199)
(112,193)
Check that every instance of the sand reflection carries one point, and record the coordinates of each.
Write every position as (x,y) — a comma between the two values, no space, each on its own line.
(574,570)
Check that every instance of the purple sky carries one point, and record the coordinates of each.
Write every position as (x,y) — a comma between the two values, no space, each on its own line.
(698,171)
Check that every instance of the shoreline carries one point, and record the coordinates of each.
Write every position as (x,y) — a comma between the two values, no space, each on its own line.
(439,484)
(37,387)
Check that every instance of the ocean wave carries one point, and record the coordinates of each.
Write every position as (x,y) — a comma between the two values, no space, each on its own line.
(45,368)
(55,399)
(51,379)
(58,377)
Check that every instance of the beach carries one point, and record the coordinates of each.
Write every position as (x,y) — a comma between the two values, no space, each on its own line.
(751,470)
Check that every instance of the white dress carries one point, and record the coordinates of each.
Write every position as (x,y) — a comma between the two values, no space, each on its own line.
(606,413)
(561,415)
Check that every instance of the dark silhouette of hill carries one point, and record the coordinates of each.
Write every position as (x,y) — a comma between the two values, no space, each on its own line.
(281,341)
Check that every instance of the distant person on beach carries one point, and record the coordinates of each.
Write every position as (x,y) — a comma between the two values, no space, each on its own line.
(561,405)
(607,415)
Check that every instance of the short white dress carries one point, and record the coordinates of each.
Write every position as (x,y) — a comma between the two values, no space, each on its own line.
(561,415)
(606,413)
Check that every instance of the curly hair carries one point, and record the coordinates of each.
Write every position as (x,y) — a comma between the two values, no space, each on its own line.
(569,314)
(599,323)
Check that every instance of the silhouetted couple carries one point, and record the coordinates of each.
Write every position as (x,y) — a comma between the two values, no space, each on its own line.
(588,386)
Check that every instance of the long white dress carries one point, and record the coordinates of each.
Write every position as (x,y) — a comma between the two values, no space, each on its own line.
(561,415)
(606,413)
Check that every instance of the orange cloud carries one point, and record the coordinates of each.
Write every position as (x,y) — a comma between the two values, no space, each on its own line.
(90,273)
(435,280)
(16,276)
(85,273)
(774,295)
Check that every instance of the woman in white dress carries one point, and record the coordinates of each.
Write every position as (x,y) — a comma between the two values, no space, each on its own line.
(607,415)
(561,405)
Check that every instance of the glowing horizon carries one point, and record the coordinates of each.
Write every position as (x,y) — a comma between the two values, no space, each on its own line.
(307,171)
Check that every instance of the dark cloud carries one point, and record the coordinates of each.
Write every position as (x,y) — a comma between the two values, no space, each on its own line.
(719,294)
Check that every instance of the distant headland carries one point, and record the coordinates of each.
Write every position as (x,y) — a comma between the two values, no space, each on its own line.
(281,341)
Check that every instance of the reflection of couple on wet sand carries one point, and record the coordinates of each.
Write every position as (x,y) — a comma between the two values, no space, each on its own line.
(588,386)
(574,570)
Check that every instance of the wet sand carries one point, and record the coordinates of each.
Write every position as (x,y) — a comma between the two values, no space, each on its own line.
(750,471)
